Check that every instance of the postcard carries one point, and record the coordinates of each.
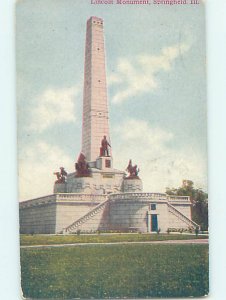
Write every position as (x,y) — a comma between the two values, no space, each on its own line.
(112,148)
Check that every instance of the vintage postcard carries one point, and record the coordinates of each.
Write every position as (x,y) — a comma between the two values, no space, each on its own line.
(112,148)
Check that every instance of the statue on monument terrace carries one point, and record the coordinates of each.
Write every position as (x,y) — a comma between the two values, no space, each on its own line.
(81,167)
(61,176)
(104,150)
(132,170)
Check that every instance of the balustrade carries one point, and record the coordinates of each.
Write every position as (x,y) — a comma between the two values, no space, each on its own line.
(132,196)
(81,197)
(102,198)
(179,198)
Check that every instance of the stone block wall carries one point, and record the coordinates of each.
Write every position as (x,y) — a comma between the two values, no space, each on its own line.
(100,182)
(38,219)
(100,221)
(60,188)
(128,215)
(67,213)
(178,222)
(122,211)
(175,222)
(185,209)
(79,184)
(132,186)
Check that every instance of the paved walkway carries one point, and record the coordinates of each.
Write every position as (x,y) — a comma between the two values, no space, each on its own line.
(194,241)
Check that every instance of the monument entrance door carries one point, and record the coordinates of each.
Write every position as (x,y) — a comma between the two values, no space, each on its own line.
(154,223)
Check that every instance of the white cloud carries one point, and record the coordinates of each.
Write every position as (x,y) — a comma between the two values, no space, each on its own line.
(160,165)
(36,169)
(139,75)
(54,106)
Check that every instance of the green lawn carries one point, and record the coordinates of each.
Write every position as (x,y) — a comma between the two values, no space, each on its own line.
(70,239)
(104,271)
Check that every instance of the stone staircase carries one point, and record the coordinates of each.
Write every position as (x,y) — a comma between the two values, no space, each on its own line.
(75,225)
(182,217)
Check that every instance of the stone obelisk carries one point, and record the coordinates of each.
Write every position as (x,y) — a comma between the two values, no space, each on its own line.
(95,105)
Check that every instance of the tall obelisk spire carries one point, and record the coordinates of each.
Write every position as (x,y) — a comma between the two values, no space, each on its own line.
(95,107)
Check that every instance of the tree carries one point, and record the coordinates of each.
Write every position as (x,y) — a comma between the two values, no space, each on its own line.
(199,200)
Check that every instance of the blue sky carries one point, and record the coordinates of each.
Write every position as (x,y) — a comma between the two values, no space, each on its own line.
(156,89)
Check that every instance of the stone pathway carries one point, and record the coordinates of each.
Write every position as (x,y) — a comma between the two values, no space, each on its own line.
(194,241)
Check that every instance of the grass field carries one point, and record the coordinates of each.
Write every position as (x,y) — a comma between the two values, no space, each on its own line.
(70,239)
(104,271)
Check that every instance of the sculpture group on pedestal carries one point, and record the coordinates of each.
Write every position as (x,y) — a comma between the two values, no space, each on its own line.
(61,176)
(132,170)
(82,167)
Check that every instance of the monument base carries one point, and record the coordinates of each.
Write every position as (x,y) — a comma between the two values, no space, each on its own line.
(60,188)
(132,185)
(123,212)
